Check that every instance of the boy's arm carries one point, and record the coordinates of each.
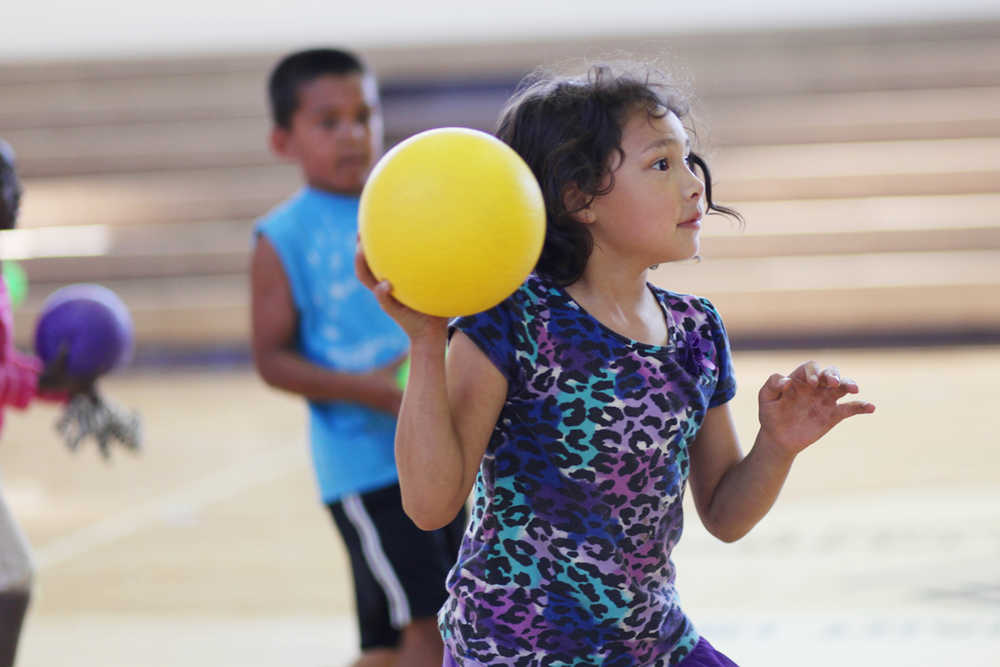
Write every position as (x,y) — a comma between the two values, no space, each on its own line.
(274,325)
(732,492)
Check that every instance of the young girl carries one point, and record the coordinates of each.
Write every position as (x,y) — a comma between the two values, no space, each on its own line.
(582,404)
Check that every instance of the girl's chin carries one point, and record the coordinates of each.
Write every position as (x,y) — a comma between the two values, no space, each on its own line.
(681,256)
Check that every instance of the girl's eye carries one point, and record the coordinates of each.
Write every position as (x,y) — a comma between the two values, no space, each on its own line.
(661,164)
(328,123)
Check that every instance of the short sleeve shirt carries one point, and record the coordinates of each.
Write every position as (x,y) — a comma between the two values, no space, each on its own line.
(577,504)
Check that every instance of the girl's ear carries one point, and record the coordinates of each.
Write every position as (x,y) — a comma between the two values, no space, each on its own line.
(281,143)
(578,204)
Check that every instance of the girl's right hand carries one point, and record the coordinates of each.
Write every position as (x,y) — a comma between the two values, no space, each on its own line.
(418,326)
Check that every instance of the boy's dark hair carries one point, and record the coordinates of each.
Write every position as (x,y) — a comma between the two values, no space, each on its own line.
(300,68)
(10,187)
(566,129)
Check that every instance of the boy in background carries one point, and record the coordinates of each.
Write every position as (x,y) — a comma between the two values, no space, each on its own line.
(317,332)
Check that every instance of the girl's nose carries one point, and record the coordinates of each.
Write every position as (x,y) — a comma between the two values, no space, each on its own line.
(696,188)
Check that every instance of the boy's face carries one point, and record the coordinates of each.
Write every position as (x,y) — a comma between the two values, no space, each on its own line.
(335,133)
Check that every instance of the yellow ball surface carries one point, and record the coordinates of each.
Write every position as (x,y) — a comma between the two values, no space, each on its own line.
(454,219)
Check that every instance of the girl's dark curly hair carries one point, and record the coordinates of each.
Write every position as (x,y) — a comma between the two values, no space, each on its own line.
(566,129)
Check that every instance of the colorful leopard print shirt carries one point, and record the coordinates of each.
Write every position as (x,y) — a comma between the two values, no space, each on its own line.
(577,504)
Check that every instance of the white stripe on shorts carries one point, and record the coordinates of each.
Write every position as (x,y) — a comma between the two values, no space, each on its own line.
(378,562)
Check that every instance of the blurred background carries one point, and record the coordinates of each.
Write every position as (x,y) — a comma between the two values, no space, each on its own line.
(861,143)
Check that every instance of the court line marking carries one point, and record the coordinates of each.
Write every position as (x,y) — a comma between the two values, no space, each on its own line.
(217,487)
(884,525)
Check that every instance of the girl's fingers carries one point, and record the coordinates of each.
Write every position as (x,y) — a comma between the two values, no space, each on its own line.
(837,393)
(843,387)
(362,269)
(834,385)
(383,290)
(830,377)
(849,386)
(774,387)
(383,293)
(851,408)
(808,373)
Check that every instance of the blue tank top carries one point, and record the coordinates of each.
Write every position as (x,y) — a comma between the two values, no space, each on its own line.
(341,327)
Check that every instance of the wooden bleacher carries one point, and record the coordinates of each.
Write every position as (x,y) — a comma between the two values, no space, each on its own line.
(866,162)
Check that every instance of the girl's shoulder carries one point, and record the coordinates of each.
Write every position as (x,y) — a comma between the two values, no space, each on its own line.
(684,303)
(536,297)
(535,289)
(691,312)
(519,307)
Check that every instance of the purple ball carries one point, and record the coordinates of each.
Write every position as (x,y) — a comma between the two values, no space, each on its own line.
(91,322)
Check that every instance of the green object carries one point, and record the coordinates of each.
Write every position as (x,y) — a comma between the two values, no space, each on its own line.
(403,373)
(17,282)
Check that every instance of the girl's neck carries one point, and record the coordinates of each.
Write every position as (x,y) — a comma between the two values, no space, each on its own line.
(617,295)
(611,279)
(610,291)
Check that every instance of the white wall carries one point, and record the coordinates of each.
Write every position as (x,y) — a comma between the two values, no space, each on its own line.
(31,29)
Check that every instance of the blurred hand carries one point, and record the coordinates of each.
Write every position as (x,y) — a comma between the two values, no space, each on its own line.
(418,326)
(54,378)
(798,409)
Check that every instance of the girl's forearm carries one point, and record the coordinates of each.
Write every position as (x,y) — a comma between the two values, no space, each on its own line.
(748,490)
(429,454)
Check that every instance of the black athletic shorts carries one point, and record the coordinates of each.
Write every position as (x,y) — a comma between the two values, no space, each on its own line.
(399,570)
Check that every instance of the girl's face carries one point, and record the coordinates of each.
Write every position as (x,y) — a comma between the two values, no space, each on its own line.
(654,211)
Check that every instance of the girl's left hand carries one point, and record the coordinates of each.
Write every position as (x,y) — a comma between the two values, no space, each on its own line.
(798,409)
